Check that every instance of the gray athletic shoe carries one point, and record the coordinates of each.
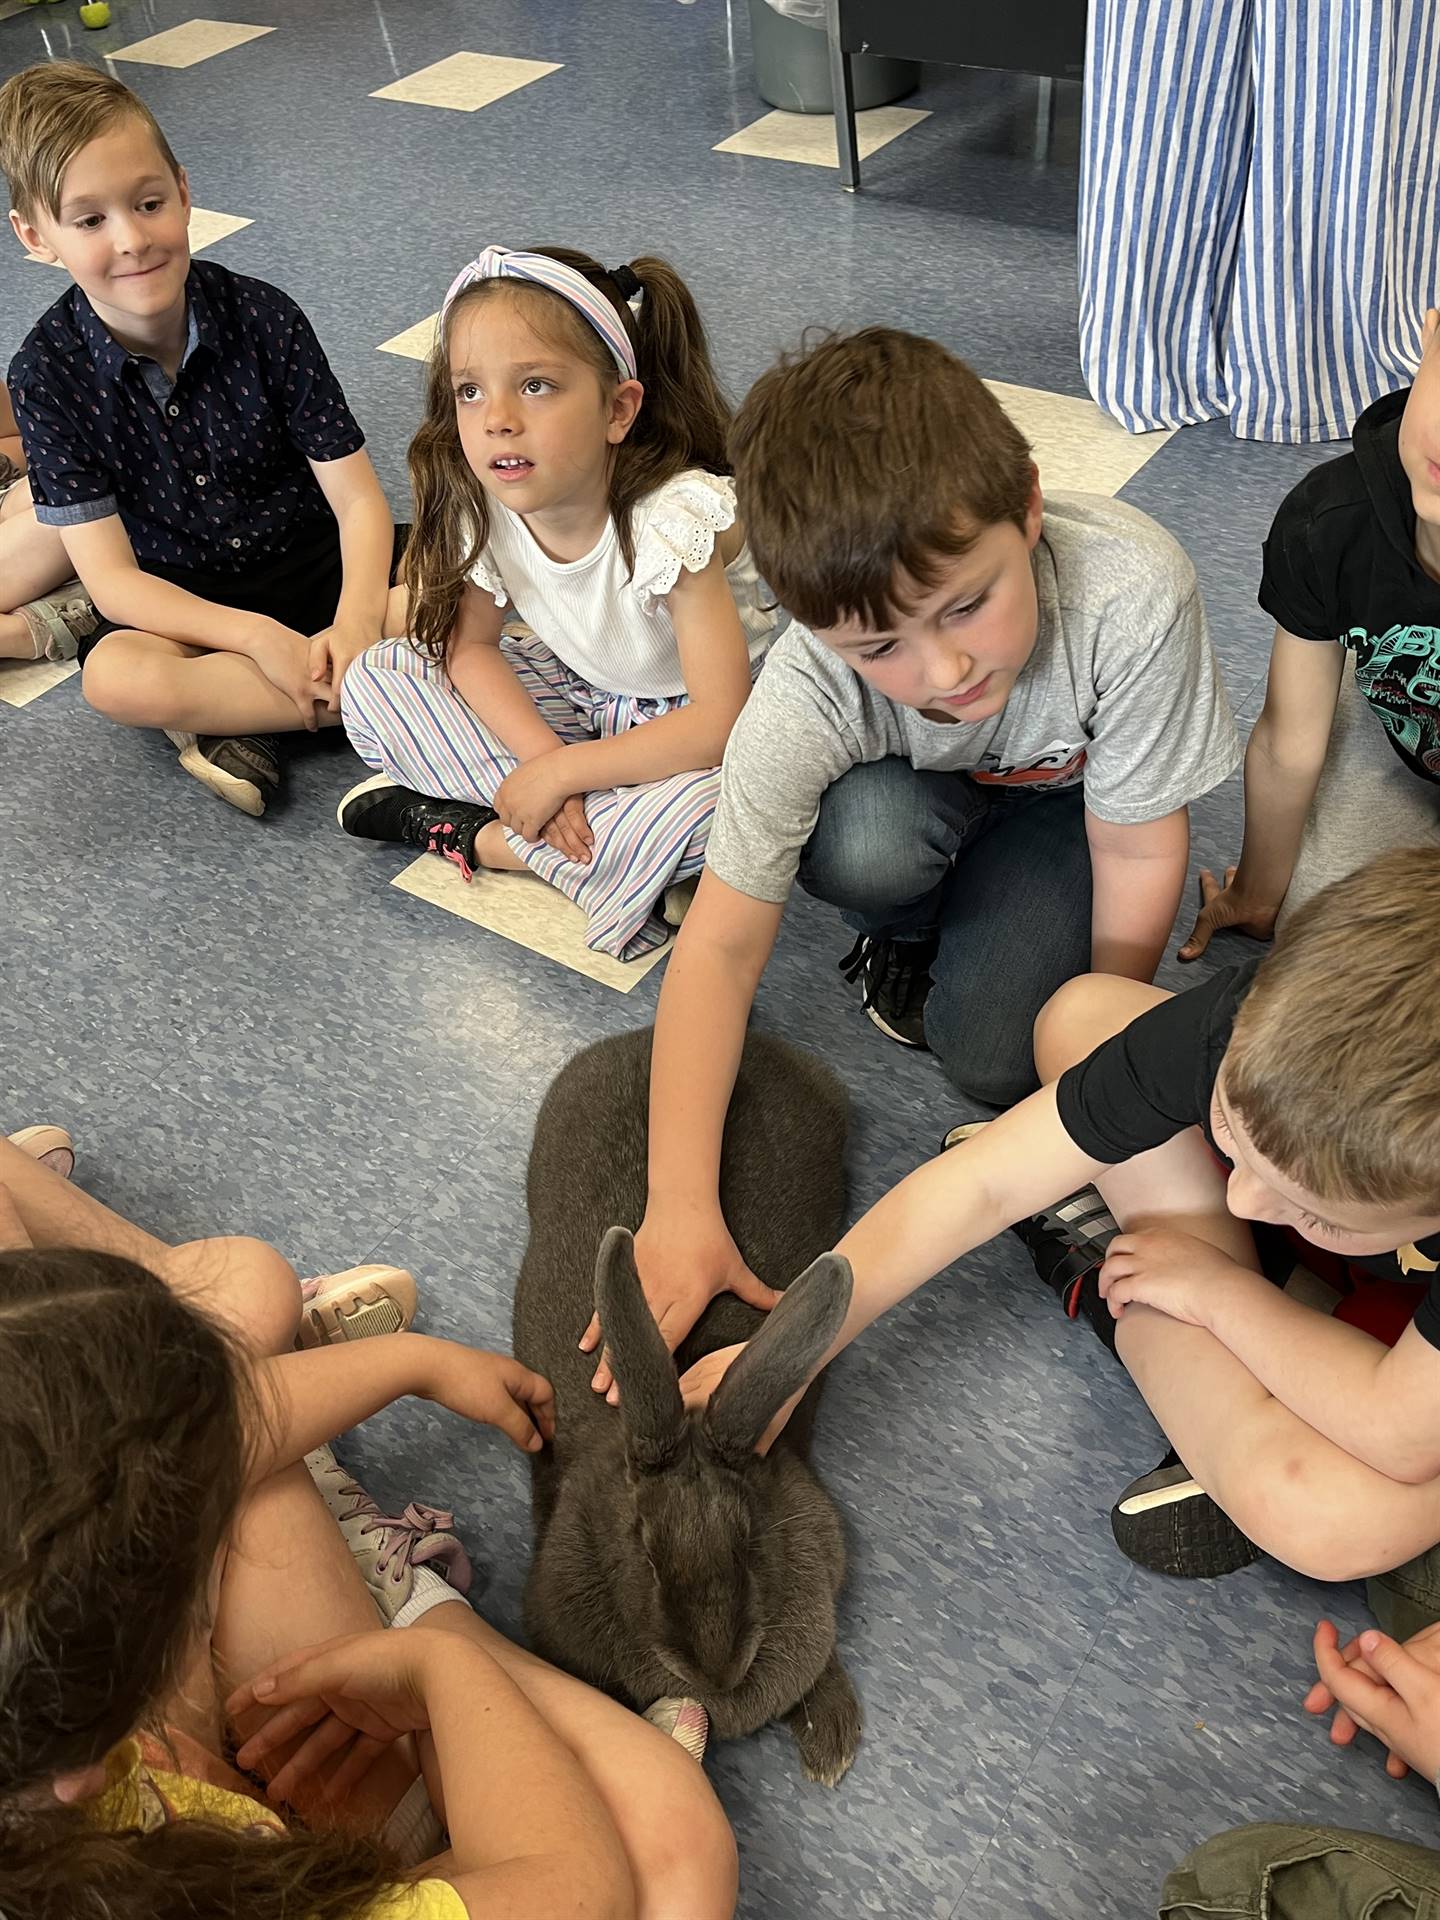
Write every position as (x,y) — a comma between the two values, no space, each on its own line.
(243,771)
(60,621)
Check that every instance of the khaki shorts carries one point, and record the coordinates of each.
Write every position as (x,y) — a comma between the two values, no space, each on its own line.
(1303,1873)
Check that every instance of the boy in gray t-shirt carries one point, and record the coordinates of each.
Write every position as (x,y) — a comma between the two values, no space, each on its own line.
(981,746)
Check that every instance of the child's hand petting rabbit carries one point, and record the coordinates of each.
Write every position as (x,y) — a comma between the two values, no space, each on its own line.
(683,1264)
(493,1389)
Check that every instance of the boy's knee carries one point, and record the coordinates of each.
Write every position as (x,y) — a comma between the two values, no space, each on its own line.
(1081,1014)
(872,847)
(127,687)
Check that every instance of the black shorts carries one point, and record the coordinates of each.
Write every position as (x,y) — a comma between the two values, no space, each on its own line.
(299,588)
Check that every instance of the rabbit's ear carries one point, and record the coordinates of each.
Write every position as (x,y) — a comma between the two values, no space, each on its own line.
(780,1358)
(644,1368)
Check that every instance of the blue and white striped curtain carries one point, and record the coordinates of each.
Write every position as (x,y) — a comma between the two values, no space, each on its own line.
(1259,209)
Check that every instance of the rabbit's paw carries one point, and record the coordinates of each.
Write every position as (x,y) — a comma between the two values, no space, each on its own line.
(826,1726)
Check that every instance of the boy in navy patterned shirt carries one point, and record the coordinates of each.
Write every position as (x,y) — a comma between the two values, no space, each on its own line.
(186,436)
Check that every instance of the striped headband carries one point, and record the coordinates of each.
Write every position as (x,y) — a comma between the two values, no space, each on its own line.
(499,263)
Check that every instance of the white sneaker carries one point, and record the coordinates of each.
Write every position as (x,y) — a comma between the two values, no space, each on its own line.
(390,1552)
(51,1146)
(355,1305)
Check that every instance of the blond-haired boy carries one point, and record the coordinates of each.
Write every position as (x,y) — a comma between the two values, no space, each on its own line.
(186,437)
(1300,1092)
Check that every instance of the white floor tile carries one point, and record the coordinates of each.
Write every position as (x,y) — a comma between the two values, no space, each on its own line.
(188,45)
(520,907)
(22,681)
(1077,447)
(465,81)
(810,137)
(415,342)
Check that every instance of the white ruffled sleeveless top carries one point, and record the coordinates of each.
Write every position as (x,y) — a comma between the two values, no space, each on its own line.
(612,628)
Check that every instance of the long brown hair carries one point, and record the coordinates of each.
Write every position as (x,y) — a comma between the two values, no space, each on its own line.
(125,1424)
(683,422)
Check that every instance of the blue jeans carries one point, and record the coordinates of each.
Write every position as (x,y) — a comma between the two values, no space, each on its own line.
(1001,874)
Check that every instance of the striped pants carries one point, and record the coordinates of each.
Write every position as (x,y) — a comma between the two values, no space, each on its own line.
(405,719)
(1259,209)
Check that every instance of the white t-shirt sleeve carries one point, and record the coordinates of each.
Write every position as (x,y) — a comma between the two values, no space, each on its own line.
(486,575)
(1161,733)
(681,522)
(791,742)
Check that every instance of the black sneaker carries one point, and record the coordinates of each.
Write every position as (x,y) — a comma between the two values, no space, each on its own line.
(1167,1522)
(379,810)
(243,770)
(895,975)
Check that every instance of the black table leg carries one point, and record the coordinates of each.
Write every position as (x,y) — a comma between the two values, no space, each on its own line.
(842,87)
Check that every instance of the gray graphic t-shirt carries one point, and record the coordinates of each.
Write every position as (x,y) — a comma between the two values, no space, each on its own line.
(1122,694)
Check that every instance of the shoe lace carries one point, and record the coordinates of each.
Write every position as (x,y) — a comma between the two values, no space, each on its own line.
(402,1533)
(79,616)
(885,963)
(442,837)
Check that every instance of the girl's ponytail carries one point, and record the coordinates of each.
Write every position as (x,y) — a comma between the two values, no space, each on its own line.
(685,417)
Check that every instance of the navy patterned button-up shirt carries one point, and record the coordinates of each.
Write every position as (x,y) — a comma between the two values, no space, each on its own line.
(208,472)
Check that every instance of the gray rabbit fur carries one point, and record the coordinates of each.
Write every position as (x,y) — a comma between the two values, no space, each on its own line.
(670,1557)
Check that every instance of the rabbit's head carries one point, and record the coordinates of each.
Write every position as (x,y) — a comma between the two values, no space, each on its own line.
(708,1514)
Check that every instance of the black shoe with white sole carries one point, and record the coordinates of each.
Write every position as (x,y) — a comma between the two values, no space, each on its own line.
(241,769)
(1167,1522)
(379,810)
(895,981)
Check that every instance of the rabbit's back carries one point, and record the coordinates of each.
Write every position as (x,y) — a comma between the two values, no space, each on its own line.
(782,1186)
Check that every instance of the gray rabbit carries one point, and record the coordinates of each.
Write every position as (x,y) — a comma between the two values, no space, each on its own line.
(670,1557)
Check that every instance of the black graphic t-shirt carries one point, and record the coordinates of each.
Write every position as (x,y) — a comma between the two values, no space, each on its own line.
(1155,1078)
(1340,565)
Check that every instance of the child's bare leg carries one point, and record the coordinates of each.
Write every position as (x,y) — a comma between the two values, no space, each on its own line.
(290,1581)
(493,850)
(145,680)
(1292,1491)
(673,1829)
(242,1281)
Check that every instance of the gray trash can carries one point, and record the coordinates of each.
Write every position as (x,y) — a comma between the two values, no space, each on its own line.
(792,67)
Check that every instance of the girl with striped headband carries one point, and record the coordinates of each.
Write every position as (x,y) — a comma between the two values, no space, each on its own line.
(582,619)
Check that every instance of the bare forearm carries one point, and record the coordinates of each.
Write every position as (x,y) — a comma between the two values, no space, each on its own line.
(1325,1371)
(1279,792)
(699,1036)
(956,1202)
(691,737)
(525,1821)
(129,598)
(487,684)
(1133,904)
(310,1397)
(367,536)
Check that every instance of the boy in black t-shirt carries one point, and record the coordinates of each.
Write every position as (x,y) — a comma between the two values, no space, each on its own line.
(1344,760)
(1302,1092)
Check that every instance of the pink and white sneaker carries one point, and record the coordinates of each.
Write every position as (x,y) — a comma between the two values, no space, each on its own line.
(391,1552)
(51,1146)
(355,1305)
